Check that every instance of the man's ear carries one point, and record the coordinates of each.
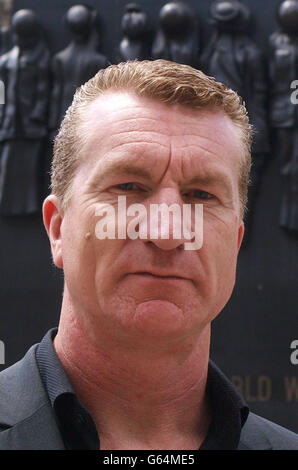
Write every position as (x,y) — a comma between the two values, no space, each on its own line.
(241,230)
(52,219)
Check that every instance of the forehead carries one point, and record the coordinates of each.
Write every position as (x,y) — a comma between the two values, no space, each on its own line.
(120,121)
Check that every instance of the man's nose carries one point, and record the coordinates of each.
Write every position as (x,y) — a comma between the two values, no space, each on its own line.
(165,227)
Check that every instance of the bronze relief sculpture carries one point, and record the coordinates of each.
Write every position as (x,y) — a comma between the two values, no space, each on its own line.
(235,60)
(75,64)
(23,118)
(283,111)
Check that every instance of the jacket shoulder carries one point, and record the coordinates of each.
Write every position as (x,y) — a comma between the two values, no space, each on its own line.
(27,420)
(259,434)
(21,390)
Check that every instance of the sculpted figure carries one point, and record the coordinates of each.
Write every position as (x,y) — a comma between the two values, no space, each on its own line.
(235,60)
(75,64)
(177,36)
(134,24)
(5,39)
(284,107)
(23,118)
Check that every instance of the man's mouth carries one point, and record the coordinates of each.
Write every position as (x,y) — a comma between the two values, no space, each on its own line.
(164,275)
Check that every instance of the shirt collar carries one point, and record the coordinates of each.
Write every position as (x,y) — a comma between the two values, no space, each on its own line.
(52,373)
(229,410)
(76,426)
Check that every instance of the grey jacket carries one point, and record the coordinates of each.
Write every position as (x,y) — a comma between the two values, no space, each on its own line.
(27,420)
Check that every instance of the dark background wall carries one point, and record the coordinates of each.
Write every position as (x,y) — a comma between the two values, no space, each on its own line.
(252,337)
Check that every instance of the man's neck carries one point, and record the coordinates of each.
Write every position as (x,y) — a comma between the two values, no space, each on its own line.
(139,399)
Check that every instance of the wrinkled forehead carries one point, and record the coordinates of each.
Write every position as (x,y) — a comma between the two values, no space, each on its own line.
(124,111)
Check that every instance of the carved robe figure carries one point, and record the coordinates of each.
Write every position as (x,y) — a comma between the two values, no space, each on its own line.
(75,64)
(23,118)
(284,107)
(235,60)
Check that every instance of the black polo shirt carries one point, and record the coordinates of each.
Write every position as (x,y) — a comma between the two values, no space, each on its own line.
(229,411)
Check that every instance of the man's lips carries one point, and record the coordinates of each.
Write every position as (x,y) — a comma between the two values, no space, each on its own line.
(160,275)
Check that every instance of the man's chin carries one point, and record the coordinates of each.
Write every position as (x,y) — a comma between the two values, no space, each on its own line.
(159,317)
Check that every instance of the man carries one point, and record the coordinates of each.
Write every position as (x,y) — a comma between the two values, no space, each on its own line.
(129,366)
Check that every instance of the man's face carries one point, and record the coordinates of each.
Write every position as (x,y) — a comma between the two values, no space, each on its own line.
(154,288)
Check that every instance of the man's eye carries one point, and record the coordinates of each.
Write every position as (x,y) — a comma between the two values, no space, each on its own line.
(199,194)
(126,186)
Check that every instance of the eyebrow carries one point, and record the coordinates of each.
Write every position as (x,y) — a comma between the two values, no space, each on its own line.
(116,168)
(123,168)
(217,177)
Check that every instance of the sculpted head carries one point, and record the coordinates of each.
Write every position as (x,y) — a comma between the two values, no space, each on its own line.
(287,16)
(26,29)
